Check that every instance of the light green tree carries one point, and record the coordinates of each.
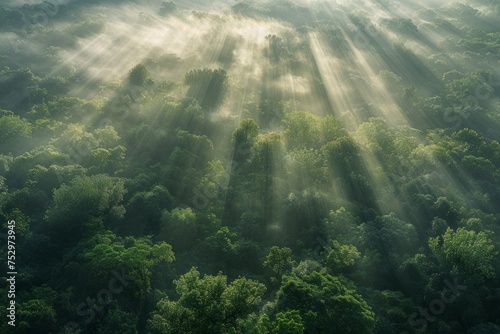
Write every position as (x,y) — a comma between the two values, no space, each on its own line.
(288,322)
(467,254)
(206,305)
(301,130)
(340,257)
(279,260)
(327,304)
(86,204)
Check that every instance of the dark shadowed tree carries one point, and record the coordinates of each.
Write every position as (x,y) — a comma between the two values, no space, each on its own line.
(138,75)
(208,86)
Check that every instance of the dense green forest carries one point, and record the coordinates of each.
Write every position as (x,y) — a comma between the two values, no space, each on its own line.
(255,167)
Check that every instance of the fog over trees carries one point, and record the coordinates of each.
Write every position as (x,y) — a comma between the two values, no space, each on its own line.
(253,166)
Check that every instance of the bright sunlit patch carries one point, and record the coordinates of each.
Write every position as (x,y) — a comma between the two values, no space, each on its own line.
(324,76)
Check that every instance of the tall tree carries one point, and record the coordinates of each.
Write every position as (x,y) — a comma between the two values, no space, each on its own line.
(279,260)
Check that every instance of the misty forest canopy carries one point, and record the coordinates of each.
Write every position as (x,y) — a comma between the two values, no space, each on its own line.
(251,166)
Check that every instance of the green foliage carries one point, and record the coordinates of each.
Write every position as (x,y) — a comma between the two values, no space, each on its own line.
(341,225)
(22,85)
(255,324)
(51,178)
(339,257)
(307,166)
(267,152)
(325,303)
(479,167)
(138,75)
(488,328)
(167,7)
(197,144)
(279,260)
(86,203)
(87,28)
(388,234)
(331,129)
(22,223)
(392,309)
(62,108)
(342,155)
(14,128)
(401,25)
(179,228)
(246,132)
(307,267)
(145,208)
(390,78)
(208,86)
(206,305)
(288,322)
(215,179)
(136,257)
(116,321)
(99,149)
(336,40)
(301,130)
(467,254)
(36,314)
(285,170)
(13,131)
(222,242)
(304,212)
(376,135)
